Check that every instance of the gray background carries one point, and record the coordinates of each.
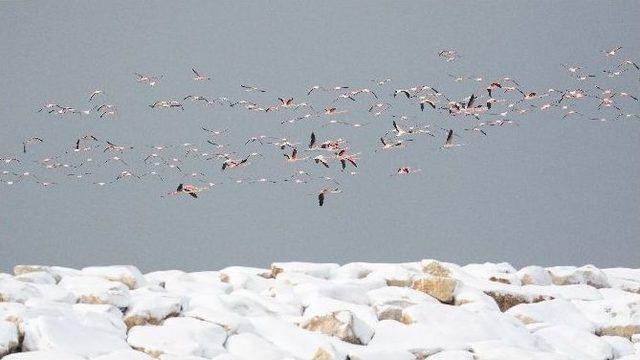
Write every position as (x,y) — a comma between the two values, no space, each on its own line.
(548,191)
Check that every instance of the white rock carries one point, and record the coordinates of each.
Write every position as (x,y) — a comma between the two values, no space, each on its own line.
(502,272)
(248,346)
(367,353)
(179,336)
(452,355)
(124,355)
(623,273)
(213,309)
(159,278)
(323,306)
(44,355)
(68,335)
(97,290)
(151,305)
(534,275)
(37,277)
(252,279)
(12,290)
(496,351)
(588,274)
(575,343)
(294,340)
(342,324)
(621,346)
(462,326)
(204,282)
(8,337)
(125,274)
(556,312)
(322,271)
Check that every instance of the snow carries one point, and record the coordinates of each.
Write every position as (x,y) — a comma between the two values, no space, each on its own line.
(296,310)
(94,289)
(179,336)
(575,343)
(125,274)
(8,337)
(61,333)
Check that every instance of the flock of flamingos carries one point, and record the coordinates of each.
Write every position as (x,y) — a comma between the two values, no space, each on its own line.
(189,168)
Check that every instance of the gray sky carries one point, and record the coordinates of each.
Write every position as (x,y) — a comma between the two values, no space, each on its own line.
(549,191)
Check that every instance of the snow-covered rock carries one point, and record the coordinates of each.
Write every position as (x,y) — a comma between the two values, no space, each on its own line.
(556,312)
(97,290)
(127,354)
(182,336)
(66,334)
(588,274)
(44,355)
(575,343)
(342,324)
(8,337)
(247,345)
(126,274)
(534,275)
(361,311)
(151,305)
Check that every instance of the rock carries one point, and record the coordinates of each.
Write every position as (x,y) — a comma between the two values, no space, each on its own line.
(588,274)
(19,270)
(44,355)
(37,277)
(461,326)
(12,290)
(439,287)
(556,312)
(621,346)
(507,299)
(503,272)
(151,306)
(617,314)
(203,282)
(124,355)
(341,324)
(322,271)
(575,343)
(534,275)
(248,345)
(66,334)
(8,337)
(125,274)
(179,336)
(159,278)
(452,355)
(435,268)
(253,279)
(97,290)
(473,299)
(388,302)
(366,353)
(300,343)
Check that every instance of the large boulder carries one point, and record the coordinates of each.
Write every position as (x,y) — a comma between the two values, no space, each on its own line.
(9,340)
(341,324)
(66,334)
(575,343)
(151,306)
(179,336)
(588,274)
(125,274)
(97,290)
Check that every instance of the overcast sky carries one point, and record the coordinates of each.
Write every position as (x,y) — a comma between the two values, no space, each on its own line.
(548,191)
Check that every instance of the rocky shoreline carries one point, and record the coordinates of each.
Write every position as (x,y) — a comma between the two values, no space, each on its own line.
(420,310)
